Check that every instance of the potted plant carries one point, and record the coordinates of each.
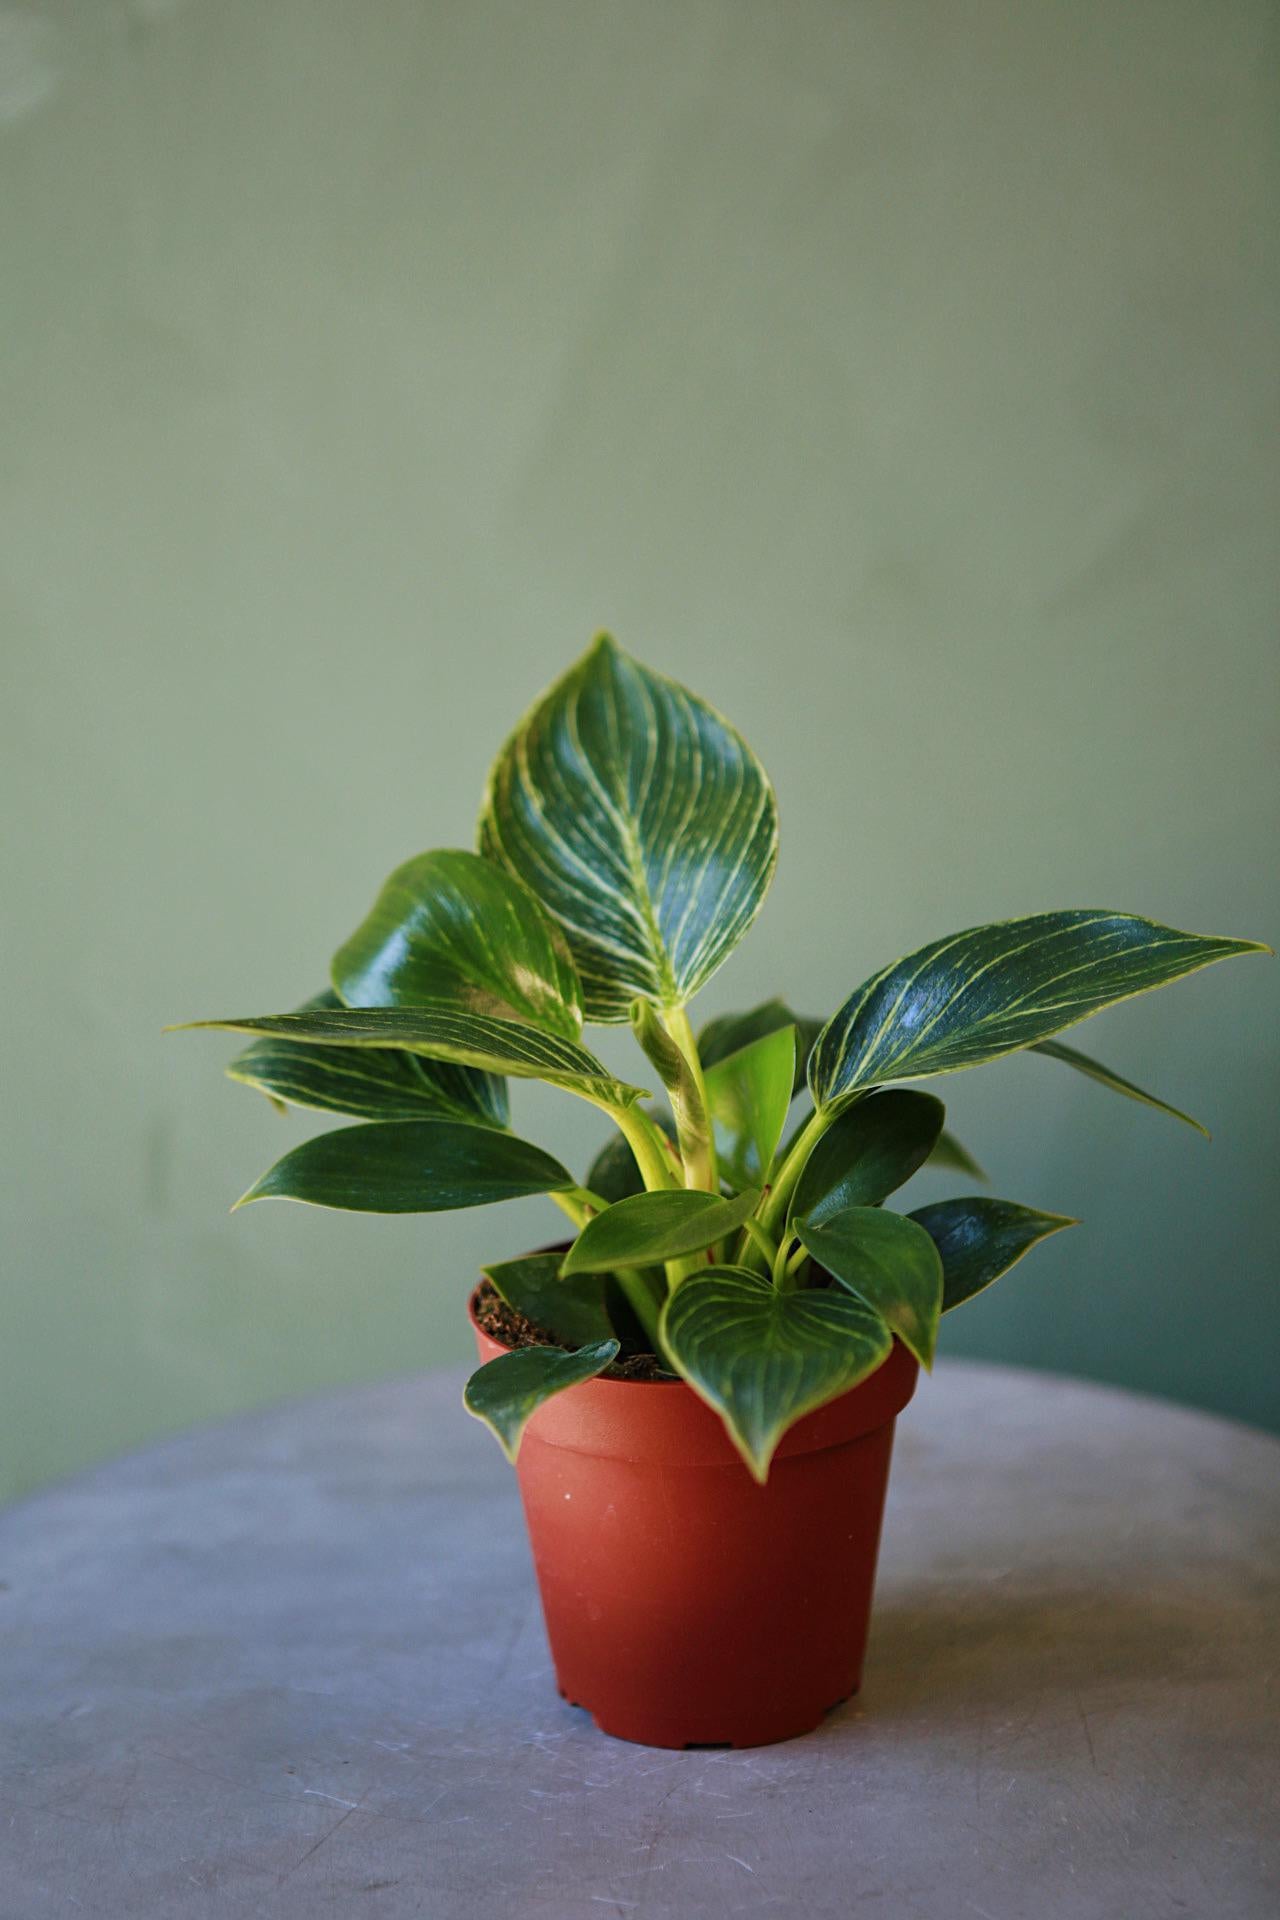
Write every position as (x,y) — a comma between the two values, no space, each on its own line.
(699,1388)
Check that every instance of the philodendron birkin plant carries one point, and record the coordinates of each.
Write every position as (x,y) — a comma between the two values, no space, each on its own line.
(737,1228)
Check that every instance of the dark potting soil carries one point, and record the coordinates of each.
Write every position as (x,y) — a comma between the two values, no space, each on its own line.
(503,1323)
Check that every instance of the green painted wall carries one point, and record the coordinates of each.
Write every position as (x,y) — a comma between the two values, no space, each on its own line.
(902,376)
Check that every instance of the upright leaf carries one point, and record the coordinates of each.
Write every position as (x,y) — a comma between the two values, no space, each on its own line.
(369,1083)
(506,1392)
(570,1311)
(649,1228)
(763,1359)
(978,1239)
(1107,1077)
(410,1166)
(444,1033)
(730,1032)
(749,1093)
(688,1109)
(868,1152)
(449,928)
(890,1262)
(642,821)
(976,995)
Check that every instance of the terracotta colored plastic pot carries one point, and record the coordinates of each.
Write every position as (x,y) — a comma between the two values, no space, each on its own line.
(686,1605)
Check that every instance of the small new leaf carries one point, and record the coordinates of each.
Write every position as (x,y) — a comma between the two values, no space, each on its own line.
(649,1228)
(505,1393)
(749,1093)
(890,1262)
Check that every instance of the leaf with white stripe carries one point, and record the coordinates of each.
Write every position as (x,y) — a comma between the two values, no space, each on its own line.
(763,1358)
(642,821)
(443,1033)
(370,1083)
(451,928)
(991,990)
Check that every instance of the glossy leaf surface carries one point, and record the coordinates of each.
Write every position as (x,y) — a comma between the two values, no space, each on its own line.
(749,1093)
(410,1166)
(1107,1077)
(449,928)
(507,1392)
(730,1032)
(649,1228)
(869,1151)
(890,1262)
(643,822)
(763,1358)
(443,1033)
(978,1239)
(369,1083)
(988,991)
(572,1312)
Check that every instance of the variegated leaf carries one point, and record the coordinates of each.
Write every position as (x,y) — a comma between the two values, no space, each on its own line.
(449,928)
(369,1083)
(642,821)
(991,990)
(444,1033)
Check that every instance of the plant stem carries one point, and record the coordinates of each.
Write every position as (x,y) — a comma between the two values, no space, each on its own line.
(774,1211)
(702,1172)
(649,1145)
(752,1230)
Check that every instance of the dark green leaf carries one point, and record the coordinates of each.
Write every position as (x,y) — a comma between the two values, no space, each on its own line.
(763,1358)
(1054,1050)
(410,1166)
(979,1239)
(444,1033)
(452,929)
(613,1174)
(749,1093)
(952,1155)
(652,1227)
(730,1032)
(976,995)
(570,1311)
(868,1152)
(642,821)
(369,1083)
(890,1262)
(506,1392)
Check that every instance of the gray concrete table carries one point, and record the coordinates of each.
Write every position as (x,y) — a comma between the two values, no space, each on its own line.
(294,1666)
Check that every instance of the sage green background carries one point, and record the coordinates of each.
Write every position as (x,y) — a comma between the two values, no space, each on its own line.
(900,375)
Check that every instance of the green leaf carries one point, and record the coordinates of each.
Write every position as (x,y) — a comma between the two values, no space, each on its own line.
(868,1152)
(642,821)
(652,1227)
(410,1166)
(570,1311)
(444,1033)
(749,1093)
(613,1174)
(452,929)
(989,991)
(730,1032)
(952,1155)
(890,1262)
(978,1239)
(1054,1050)
(506,1392)
(763,1358)
(371,1084)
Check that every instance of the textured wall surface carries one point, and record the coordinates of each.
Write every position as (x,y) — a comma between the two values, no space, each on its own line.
(901,376)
